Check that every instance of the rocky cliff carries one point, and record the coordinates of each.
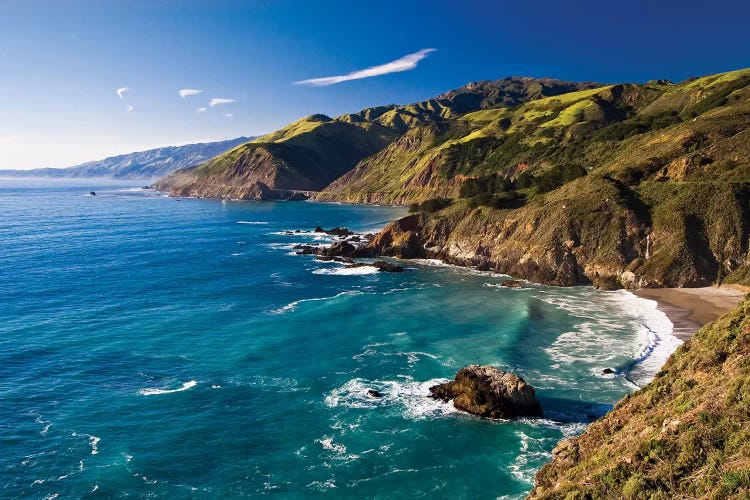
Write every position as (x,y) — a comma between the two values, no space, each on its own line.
(685,435)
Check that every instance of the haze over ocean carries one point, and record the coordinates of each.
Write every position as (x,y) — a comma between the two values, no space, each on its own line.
(150,347)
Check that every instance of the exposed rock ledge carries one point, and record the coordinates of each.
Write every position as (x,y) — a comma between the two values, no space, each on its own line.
(489,392)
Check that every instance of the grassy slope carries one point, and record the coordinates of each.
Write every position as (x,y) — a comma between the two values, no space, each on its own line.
(685,435)
(677,155)
(310,153)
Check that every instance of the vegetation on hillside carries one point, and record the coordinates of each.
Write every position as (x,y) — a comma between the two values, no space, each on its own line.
(668,163)
(685,435)
(312,152)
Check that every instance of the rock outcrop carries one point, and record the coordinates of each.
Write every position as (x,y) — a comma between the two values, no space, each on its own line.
(488,392)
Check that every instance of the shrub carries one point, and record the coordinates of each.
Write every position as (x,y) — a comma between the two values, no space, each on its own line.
(430,206)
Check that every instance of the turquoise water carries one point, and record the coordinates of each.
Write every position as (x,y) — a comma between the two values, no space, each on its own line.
(165,349)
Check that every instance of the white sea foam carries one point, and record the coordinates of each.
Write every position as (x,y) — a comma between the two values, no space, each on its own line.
(252,222)
(155,391)
(293,305)
(93,441)
(653,344)
(348,271)
(407,396)
(656,341)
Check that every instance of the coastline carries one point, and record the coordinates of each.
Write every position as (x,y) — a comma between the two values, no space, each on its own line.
(689,309)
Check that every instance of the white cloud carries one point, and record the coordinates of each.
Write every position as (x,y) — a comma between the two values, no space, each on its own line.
(201,110)
(228,115)
(186,92)
(130,108)
(121,91)
(214,102)
(406,63)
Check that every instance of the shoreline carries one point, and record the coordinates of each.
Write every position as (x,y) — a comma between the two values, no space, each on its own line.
(689,309)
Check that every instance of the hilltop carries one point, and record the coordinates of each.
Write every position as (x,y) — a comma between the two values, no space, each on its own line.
(309,154)
(618,186)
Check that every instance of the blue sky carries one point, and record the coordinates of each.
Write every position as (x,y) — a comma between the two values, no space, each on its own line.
(61,63)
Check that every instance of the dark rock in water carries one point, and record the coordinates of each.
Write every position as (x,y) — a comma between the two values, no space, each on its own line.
(608,371)
(374,394)
(306,249)
(340,248)
(340,231)
(489,392)
(297,231)
(511,284)
(92,193)
(336,231)
(387,267)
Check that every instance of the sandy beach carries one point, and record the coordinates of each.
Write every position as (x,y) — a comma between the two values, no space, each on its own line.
(691,308)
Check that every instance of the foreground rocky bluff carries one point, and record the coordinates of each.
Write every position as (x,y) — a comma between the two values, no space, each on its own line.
(685,435)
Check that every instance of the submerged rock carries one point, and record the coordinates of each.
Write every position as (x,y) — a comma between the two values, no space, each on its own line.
(511,284)
(374,394)
(336,231)
(488,392)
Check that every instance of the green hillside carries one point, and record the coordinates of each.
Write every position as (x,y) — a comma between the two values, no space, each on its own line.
(310,153)
(685,435)
(621,185)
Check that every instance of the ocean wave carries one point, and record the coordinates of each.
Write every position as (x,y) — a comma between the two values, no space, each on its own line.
(252,222)
(93,441)
(656,341)
(156,391)
(348,271)
(409,397)
(293,305)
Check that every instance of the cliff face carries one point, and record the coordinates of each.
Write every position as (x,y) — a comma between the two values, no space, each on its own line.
(595,231)
(685,435)
(309,154)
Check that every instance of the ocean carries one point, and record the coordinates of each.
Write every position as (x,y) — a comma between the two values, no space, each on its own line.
(156,348)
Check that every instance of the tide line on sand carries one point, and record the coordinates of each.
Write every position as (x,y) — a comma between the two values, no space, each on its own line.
(690,308)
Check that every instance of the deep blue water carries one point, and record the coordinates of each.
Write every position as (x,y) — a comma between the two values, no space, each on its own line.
(165,349)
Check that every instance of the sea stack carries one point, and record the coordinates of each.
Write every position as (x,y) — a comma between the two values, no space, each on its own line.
(488,392)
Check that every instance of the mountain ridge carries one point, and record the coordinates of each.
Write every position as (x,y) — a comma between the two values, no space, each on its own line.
(312,152)
(147,164)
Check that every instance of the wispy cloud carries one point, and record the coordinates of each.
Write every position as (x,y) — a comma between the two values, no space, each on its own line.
(406,63)
(121,91)
(214,102)
(228,115)
(186,92)
(130,108)
(201,110)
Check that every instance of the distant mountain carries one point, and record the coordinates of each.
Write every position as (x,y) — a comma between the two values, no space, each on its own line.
(149,164)
(309,154)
